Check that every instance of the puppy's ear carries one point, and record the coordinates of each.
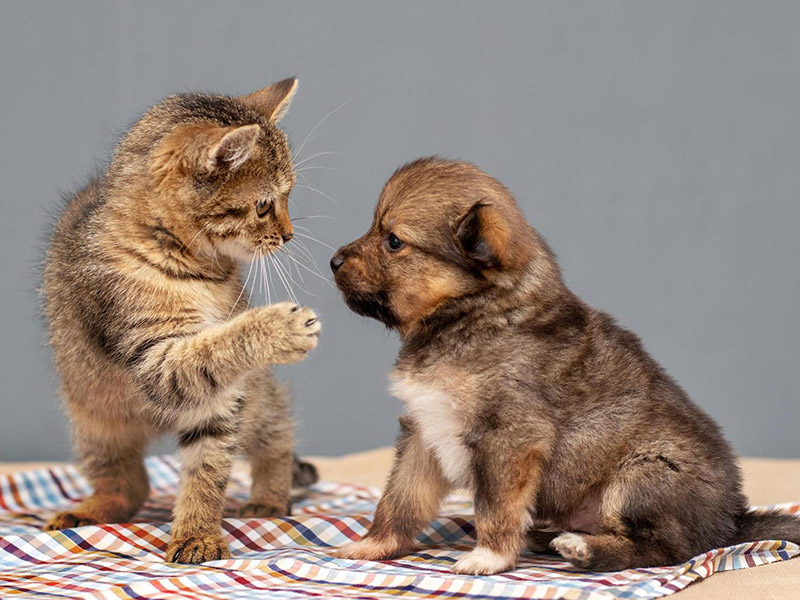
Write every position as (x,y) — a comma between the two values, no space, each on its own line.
(273,101)
(494,238)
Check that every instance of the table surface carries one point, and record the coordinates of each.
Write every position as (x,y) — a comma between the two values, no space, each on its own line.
(766,481)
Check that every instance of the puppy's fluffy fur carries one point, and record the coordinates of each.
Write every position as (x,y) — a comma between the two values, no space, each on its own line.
(571,437)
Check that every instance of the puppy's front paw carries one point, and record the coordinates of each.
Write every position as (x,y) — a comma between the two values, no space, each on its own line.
(573,547)
(370,549)
(484,561)
(288,332)
(196,550)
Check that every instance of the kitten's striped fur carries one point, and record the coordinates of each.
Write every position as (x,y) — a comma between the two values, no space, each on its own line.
(148,323)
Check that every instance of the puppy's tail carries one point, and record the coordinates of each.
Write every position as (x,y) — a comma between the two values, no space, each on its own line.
(304,473)
(771,525)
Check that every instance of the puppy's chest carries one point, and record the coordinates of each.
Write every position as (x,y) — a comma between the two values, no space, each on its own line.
(441,422)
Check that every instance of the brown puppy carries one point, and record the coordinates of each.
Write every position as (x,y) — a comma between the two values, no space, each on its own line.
(567,432)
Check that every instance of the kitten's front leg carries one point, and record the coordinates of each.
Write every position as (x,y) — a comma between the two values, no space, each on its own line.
(411,500)
(186,379)
(206,454)
(189,385)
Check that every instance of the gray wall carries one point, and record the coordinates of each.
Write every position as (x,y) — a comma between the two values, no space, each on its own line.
(655,144)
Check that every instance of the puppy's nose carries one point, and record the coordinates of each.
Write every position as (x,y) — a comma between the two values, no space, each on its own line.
(337,261)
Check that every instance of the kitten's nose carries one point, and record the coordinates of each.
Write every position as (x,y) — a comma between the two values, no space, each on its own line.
(287,235)
(337,261)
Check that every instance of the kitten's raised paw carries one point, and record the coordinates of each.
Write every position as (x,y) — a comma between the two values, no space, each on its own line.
(68,520)
(483,561)
(369,549)
(291,331)
(254,510)
(196,550)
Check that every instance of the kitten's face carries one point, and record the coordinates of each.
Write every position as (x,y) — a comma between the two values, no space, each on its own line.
(245,211)
(226,171)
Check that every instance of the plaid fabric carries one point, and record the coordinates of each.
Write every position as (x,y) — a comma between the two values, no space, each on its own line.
(291,557)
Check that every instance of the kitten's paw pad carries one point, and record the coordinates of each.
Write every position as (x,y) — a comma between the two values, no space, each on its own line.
(573,547)
(253,510)
(68,520)
(369,549)
(483,561)
(196,550)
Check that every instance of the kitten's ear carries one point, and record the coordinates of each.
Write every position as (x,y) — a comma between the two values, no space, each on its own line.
(229,147)
(491,238)
(273,101)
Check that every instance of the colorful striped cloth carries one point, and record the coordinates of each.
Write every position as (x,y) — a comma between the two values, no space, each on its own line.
(291,557)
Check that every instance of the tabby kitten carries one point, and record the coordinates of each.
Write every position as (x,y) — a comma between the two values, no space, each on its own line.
(148,323)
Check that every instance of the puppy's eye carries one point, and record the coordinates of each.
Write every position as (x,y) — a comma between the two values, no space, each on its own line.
(394,243)
(263,207)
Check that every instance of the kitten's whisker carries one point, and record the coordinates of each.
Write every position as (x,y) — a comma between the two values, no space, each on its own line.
(317,155)
(194,239)
(288,272)
(264,275)
(312,272)
(313,239)
(297,262)
(253,287)
(258,272)
(270,283)
(286,250)
(313,129)
(239,297)
(283,279)
(313,217)
(307,254)
(305,251)
(313,189)
(312,167)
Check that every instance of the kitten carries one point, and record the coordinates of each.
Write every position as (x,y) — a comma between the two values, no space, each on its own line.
(570,436)
(148,323)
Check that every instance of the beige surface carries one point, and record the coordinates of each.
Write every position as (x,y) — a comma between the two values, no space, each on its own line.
(766,481)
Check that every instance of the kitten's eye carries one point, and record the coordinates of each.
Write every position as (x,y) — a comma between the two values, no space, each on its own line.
(394,243)
(262,207)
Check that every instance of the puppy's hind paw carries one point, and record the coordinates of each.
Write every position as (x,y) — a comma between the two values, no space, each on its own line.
(573,547)
(484,561)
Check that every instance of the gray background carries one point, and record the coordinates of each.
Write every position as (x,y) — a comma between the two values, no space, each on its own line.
(655,144)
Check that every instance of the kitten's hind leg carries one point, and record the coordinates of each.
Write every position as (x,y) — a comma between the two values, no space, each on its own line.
(113,461)
(268,441)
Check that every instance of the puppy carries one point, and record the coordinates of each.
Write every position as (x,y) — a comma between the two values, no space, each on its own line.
(569,435)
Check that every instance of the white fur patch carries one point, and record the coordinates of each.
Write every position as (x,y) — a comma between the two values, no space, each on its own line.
(441,425)
(483,561)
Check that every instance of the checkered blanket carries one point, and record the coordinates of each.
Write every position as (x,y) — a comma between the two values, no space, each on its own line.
(291,557)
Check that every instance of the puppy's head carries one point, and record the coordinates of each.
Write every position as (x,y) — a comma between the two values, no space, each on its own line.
(442,230)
